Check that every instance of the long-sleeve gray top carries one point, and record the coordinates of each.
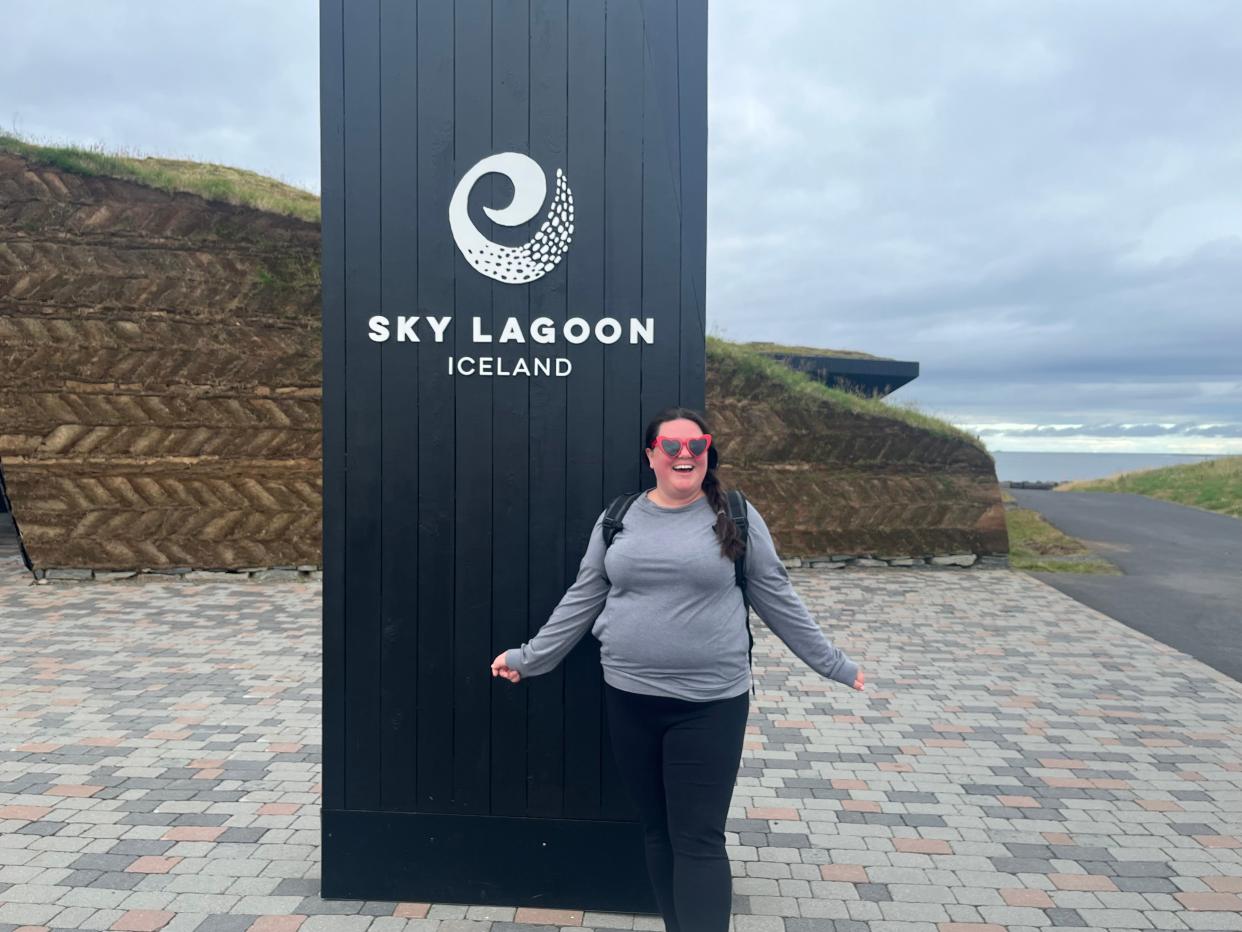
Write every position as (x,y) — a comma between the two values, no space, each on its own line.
(668,612)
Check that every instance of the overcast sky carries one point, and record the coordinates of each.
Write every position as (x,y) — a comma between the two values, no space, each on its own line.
(1041,203)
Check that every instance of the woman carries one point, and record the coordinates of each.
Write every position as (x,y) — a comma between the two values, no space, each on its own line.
(674,650)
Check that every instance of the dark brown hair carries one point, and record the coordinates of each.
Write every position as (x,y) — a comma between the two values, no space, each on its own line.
(732,545)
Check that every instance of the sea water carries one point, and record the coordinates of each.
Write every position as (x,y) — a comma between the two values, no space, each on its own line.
(1019,466)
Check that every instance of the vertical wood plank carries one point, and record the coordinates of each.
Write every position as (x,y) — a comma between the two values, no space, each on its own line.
(511,105)
(475,453)
(584,410)
(437,537)
(525,714)
(364,516)
(400,427)
(661,247)
(692,81)
(623,232)
(332,181)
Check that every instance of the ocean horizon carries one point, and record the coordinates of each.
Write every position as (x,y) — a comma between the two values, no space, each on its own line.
(1036,466)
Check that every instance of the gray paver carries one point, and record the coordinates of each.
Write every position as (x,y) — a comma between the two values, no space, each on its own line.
(1068,745)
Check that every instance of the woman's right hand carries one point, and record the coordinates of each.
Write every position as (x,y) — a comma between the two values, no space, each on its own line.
(500,668)
(858,680)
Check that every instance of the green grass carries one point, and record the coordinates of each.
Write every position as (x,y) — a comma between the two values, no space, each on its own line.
(1037,546)
(1214,485)
(761,347)
(751,364)
(213,182)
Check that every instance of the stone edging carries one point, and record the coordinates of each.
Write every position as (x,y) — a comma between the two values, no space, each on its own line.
(309,573)
(257,573)
(922,561)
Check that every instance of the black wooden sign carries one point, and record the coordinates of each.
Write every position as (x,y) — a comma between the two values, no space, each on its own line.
(514,224)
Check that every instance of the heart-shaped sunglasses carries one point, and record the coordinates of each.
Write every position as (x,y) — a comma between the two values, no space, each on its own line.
(672,445)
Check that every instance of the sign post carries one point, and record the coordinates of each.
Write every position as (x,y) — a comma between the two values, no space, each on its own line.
(514,226)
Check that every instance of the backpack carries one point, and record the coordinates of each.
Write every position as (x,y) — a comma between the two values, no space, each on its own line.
(737,512)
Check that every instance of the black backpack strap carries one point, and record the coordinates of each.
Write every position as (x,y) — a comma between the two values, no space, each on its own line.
(738,514)
(616,511)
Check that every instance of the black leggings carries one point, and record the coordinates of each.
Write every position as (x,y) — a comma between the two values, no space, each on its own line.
(679,760)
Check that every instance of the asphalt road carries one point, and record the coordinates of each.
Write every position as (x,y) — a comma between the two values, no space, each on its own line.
(1183,568)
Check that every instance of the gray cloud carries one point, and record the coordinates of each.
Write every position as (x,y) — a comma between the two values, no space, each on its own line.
(231,81)
(1040,203)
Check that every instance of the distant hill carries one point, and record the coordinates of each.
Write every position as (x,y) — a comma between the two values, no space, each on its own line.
(1214,485)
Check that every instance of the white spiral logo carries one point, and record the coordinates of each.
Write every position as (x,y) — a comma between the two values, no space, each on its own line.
(533,259)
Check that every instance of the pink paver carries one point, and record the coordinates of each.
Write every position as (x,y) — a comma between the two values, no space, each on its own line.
(143,920)
(844,873)
(279,809)
(922,845)
(412,910)
(1019,802)
(1020,896)
(860,805)
(1159,805)
(1221,902)
(72,789)
(37,747)
(193,833)
(152,864)
(1078,783)
(276,924)
(1089,882)
(771,812)
(1218,841)
(25,813)
(1061,763)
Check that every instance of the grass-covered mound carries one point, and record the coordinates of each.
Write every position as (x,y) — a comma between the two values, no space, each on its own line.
(752,371)
(763,347)
(213,182)
(1214,485)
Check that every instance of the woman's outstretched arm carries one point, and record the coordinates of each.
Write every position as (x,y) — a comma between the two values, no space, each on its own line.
(572,617)
(773,597)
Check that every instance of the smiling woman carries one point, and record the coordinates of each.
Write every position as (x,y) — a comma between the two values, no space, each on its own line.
(664,588)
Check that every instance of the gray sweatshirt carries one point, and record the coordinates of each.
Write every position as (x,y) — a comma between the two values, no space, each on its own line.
(668,612)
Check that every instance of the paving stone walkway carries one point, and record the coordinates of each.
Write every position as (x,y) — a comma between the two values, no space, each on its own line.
(1018,762)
